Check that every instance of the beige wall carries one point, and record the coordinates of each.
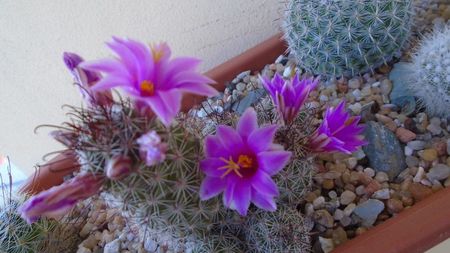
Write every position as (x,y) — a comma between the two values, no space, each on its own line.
(33,34)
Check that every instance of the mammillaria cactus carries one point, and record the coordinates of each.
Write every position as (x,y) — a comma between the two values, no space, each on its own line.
(346,38)
(430,72)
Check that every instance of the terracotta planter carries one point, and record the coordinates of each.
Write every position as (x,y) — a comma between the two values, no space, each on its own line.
(414,230)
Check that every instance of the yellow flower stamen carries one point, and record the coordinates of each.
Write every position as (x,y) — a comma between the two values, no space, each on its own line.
(147,87)
(244,162)
(157,53)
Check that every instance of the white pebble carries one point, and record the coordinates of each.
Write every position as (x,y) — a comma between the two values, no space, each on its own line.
(381,194)
(419,175)
(408,151)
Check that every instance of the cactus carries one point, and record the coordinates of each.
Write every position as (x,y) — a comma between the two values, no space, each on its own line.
(430,72)
(162,199)
(346,38)
(284,230)
(17,236)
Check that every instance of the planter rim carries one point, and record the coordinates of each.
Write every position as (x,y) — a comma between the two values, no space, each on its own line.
(414,230)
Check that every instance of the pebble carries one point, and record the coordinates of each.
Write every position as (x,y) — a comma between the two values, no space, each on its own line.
(448,146)
(338,214)
(419,175)
(429,154)
(357,94)
(355,108)
(360,190)
(348,210)
(412,161)
(347,197)
(82,249)
(332,194)
(416,145)
(345,221)
(434,126)
(319,202)
(404,135)
(408,151)
(354,83)
(352,162)
(369,210)
(327,245)
(324,218)
(381,177)
(394,205)
(328,184)
(438,172)
(381,194)
(112,247)
(369,172)
(419,191)
(339,236)
(87,228)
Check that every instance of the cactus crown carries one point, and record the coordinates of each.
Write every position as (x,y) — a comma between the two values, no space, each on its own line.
(431,72)
(346,38)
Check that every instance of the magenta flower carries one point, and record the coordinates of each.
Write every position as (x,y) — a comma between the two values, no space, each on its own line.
(85,79)
(288,95)
(241,162)
(118,167)
(59,200)
(338,132)
(150,76)
(152,150)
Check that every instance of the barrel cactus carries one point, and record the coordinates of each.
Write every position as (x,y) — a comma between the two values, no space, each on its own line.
(346,38)
(430,80)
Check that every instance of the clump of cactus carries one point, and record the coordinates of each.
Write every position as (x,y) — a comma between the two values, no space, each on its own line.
(346,38)
(430,72)
(282,231)
(43,236)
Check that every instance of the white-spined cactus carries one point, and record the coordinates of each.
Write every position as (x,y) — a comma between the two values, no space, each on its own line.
(430,69)
(345,38)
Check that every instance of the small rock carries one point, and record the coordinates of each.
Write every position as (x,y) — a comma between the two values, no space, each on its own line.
(355,108)
(309,209)
(82,249)
(345,221)
(447,182)
(87,228)
(438,172)
(407,104)
(412,161)
(354,83)
(419,191)
(90,242)
(394,206)
(112,247)
(381,177)
(328,184)
(327,245)
(319,202)
(383,149)
(419,175)
(369,172)
(352,162)
(324,218)
(332,194)
(408,151)
(448,146)
(338,214)
(404,135)
(381,194)
(434,126)
(348,210)
(339,236)
(347,197)
(368,211)
(429,154)
(416,145)
(386,86)
(360,190)
(360,230)
(357,94)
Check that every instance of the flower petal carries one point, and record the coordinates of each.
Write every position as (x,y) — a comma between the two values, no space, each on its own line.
(241,198)
(211,187)
(262,201)
(165,105)
(210,166)
(263,183)
(230,139)
(273,161)
(214,147)
(109,82)
(247,123)
(261,139)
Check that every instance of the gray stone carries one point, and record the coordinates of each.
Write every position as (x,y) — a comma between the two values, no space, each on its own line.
(448,146)
(381,194)
(407,104)
(347,197)
(368,211)
(416,145)
(324,218)
(439,172)
(249,100)
(112,247)
(240,86)
(399,76)
(243,74)
(412,161)
(383,149)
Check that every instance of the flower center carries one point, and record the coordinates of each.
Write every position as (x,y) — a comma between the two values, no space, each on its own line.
(147,88)
(244,162)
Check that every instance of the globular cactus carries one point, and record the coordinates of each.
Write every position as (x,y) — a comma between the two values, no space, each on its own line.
(346,38)
(163,198)
(284,230)
(430,72)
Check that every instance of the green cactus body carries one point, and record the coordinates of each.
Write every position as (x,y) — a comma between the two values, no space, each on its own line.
(346,38)
(284,230)
(430,68)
